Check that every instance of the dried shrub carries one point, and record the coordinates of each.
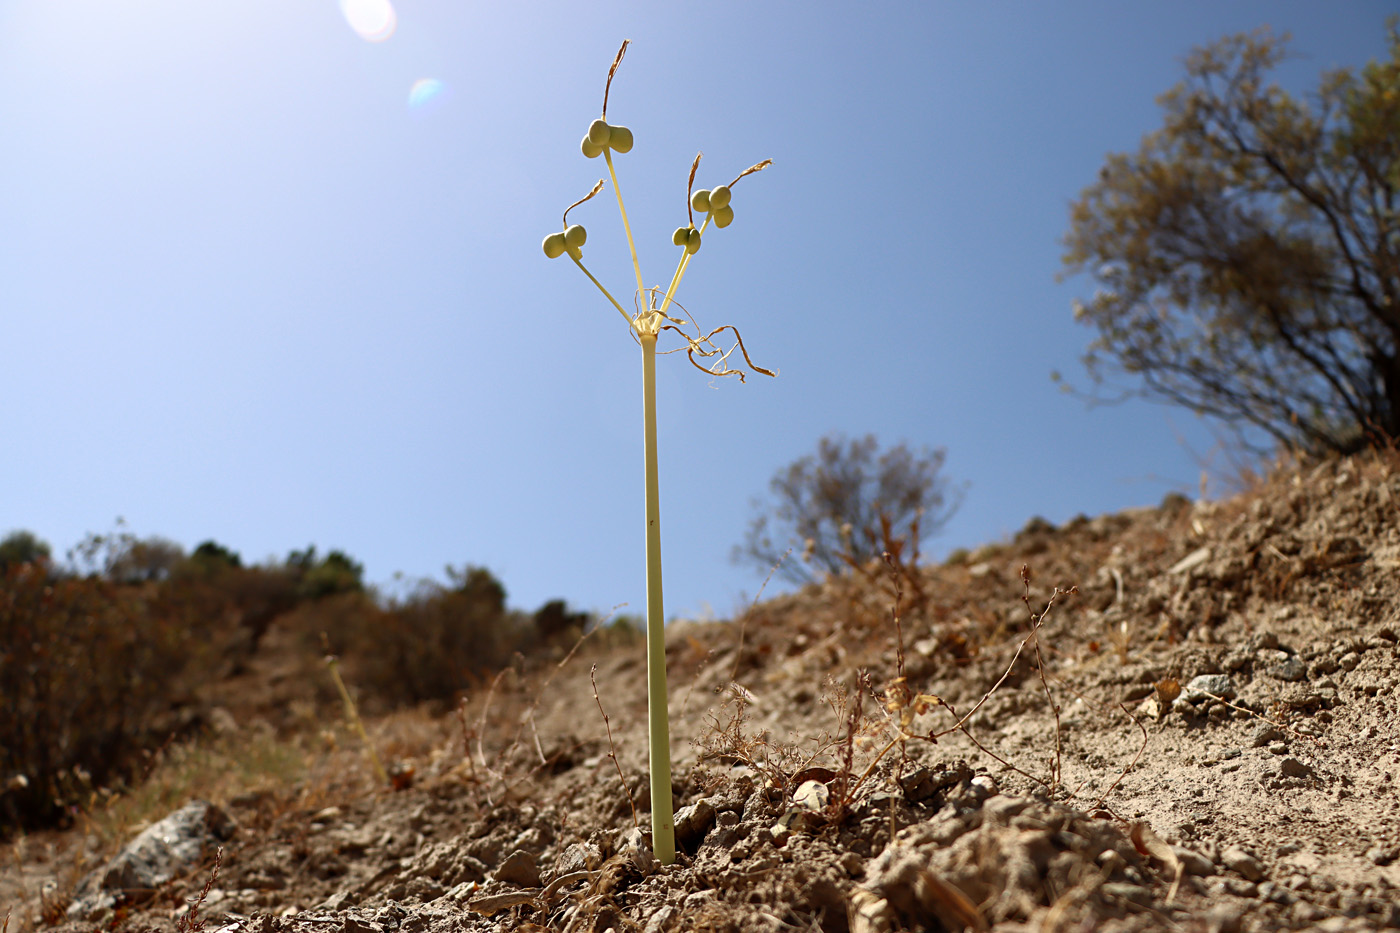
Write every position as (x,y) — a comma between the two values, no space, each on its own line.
(428,647)
(89,673)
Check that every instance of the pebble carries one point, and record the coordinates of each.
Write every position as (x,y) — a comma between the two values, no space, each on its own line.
(1291,670)
(1292,767)
(1242,863)
(1129,892)
(581,856)
(694,821)
(660,920)
(1349,661)
(1266,734)
(1194,863)
(1241,888)
(1217,684)
(519,868)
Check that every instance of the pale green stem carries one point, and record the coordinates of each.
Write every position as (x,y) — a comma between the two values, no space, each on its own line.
(641,289)
(579,262)
(680,271)
(663,830)
(354,717)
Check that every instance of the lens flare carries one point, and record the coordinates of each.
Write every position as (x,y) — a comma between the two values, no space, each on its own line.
(423,92)
(373,20)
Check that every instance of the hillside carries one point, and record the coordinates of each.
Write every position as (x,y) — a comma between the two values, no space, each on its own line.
(1197,730)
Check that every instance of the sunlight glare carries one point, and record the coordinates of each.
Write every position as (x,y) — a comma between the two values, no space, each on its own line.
(373,20)
(423,92)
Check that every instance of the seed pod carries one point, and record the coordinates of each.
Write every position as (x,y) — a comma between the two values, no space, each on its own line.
(590,148)
(620,139)
(575,236)
(722,216)
(692,241)
(554,245)
(700,201)
(719,197)
(680,236)
(598,131)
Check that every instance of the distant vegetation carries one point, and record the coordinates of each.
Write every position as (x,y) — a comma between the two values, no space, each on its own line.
(846,505)
(102,658)
(1247,255)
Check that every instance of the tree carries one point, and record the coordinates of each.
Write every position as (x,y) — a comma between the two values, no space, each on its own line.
(23,547)
(333,574)
(1248,254)
(842,505)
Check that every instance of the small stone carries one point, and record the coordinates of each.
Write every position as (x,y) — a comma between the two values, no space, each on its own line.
(1279,748)
(1291,670)
(1242,863)
(1264,641)
(519,868)
(694,821)
(1292,767)
(1241,888)
(581,856)
(1265,734)
(1002,809)
(1382,856)
(660,920)
(1212,684)
(1128,892)
(918,784)
(1223,920)
(1194,863)
(1349,661)
(984,786)
(635,845)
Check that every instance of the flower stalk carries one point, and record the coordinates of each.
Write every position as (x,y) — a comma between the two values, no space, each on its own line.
(647,324)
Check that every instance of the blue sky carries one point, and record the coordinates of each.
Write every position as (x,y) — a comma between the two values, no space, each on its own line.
(260,283)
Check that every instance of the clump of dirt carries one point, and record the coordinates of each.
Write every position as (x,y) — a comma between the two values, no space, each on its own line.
(1181,717)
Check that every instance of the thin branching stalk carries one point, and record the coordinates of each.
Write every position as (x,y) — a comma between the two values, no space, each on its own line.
(647,325)
(353,715)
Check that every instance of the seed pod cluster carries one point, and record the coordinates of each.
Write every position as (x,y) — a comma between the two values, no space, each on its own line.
(602,135)
(568,240)
(715,203)
(688,237)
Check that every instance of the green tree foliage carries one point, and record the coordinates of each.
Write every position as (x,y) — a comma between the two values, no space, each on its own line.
(335,573)
(554,621)
(845,505)
(213,554)
(1248,254)
(23,547)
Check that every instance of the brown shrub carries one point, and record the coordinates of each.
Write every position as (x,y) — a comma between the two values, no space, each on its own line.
(89,671)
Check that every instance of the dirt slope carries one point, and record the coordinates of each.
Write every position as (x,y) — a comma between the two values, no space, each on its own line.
(1222,758)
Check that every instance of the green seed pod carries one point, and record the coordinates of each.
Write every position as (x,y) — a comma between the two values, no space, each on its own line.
(723,216)
(590,148)
(554,245)
(719,197)
(575,236)
(700,201)
(680,236)
(598,131)
(692,241)
(620,138)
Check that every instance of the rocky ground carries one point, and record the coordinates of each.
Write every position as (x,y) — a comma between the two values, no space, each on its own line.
(1175,718)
